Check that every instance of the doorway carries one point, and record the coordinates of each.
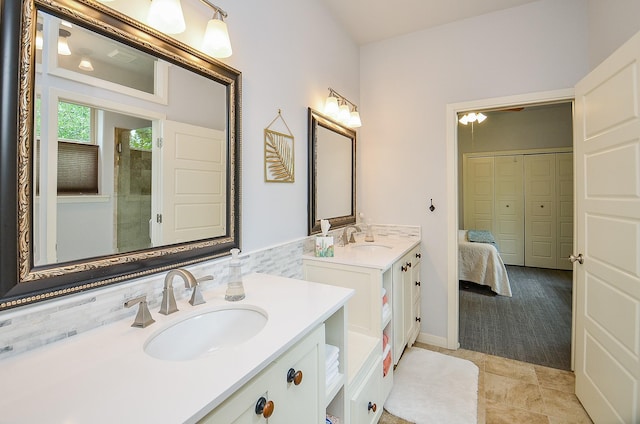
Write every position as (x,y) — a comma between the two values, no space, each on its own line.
(454,204)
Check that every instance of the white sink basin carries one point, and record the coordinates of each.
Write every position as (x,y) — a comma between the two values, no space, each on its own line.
(370,247)
(207,332)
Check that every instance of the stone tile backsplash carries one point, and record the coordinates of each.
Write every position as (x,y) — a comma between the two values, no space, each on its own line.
(29,327)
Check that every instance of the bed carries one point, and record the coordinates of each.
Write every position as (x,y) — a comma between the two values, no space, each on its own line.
(480,263)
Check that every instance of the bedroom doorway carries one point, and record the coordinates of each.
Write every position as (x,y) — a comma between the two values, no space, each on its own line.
(532,224)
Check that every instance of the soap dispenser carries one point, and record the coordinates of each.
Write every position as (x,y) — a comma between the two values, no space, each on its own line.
(235,288)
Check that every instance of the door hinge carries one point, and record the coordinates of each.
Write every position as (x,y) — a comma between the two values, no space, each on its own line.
(159,142)
(159,218)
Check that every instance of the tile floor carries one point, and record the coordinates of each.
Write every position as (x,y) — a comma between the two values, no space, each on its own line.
(518,392)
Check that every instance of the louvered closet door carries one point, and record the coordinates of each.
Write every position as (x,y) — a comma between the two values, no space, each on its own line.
(509,208)
(478,194)
(540,211)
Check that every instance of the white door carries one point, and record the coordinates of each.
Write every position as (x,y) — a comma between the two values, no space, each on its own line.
(564,209)
(478,193)
(540,211)
(193,183)
(607,162)
(509,211)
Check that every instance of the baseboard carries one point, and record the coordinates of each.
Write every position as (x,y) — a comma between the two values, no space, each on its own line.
(432,340)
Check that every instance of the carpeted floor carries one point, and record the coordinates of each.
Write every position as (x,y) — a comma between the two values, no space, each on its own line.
(533,326)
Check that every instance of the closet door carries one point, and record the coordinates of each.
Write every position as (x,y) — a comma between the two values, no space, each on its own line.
(540,211)
(509,208)
(564,185)
(478,193)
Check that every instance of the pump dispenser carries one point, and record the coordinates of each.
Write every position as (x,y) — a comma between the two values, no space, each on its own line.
(235,288)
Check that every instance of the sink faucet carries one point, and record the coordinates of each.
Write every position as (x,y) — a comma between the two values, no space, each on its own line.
(168,305)
(345,234)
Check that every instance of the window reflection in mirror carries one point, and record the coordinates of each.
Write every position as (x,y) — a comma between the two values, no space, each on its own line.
(130,151)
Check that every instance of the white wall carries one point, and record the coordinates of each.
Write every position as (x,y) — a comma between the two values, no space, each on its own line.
(289,53)
(406,83)
(611,23)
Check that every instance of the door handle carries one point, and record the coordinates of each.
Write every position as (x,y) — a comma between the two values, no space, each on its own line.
(578,258)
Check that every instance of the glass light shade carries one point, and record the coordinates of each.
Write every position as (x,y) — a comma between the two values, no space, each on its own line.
(344,115)
(481,117)
(354,120)
(464,120)
(166,16)
(331,106)
(39,40)
(471,117)
(85,65)
(63,47)
(216,41)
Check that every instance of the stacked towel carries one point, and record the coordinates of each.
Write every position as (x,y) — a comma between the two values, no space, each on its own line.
(386,354)
(332,363)
(386,308)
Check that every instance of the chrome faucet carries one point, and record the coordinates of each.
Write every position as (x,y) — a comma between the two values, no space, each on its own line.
(345,234)
(168,305)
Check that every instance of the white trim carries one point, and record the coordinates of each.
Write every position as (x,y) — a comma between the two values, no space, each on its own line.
(432,340)
(452,340)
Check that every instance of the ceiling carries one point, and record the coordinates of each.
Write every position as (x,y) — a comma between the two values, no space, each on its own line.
(374,20)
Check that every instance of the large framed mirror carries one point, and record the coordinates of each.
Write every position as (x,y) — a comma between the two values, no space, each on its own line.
(332,172)
(119,151)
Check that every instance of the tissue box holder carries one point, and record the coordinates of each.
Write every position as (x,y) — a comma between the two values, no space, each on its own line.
(324,247)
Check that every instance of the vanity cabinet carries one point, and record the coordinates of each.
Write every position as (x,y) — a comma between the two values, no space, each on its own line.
(371,326)
(290,390)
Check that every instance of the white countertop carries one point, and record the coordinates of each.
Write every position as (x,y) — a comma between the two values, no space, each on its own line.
(104,376)
(358,253)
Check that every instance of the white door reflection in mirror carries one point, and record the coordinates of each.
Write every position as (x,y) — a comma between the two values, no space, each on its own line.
(333,174)
(193,184)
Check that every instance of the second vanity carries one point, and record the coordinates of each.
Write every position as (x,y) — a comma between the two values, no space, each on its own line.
(383,272)
(105,375)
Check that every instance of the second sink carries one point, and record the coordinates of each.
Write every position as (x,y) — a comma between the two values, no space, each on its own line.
(206,332)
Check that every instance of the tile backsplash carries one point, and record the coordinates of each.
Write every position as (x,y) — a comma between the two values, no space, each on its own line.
(28,327)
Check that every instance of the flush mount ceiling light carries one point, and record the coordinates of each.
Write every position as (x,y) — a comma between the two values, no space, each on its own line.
(166,16)
(342,110)
(85,64)
(216,42)
(472,117)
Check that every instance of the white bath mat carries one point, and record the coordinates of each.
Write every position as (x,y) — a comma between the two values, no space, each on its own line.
(432,388)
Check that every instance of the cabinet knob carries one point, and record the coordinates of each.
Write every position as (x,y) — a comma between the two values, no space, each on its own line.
(294,376)
(404,268)
(372,407)
(408,264)
(418,255)
(418,319)
(264,407)
(418,283)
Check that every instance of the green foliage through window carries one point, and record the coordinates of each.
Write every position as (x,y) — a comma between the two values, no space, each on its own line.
(74,122)
(141,139)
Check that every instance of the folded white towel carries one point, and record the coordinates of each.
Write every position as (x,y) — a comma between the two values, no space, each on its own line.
(332,353)
(332,376)
(386,310)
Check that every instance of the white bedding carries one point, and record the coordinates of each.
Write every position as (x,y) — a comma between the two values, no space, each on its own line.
(481,263)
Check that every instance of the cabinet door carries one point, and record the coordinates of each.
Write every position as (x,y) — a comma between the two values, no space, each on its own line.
(366,402)
(415,319)
(299,379)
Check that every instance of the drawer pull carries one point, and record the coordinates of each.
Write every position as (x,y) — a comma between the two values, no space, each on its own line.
(294,376)
(404,268)
(408,264)
(418,319)
(372,407)
(418,283)
(418,255)
(264,407)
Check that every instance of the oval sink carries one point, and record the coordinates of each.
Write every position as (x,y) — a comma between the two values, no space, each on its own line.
(370,247)
(204,333)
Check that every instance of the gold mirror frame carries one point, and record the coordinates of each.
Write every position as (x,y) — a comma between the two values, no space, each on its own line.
(22,283)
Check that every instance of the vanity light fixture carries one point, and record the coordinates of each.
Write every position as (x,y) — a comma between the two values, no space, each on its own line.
(166,16)
(216,42)
(342,110)
(63,46)
(472,117)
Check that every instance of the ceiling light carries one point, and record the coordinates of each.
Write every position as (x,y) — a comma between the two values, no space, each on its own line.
(216,42)
(63,46)
(166,16)
(472,117)
(338,108)
(85,64)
